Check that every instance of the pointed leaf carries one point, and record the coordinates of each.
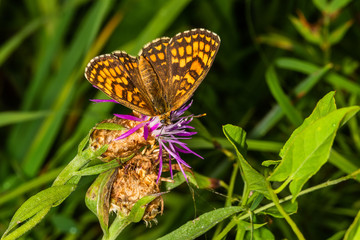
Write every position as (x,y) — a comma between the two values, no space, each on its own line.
(336,5)
(309,146)
(289,207)
(305,31)
(195,228)
(338,34)
(138,210)
(254,180)
(110,126)
(250,226)
(28,225)
(354,230)
(103,201)
(97,169)
(40,201)
(323,107)
(283,100)
(7,118)
(321,4)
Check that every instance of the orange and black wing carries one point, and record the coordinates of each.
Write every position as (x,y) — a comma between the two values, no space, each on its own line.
(155,53)
(190,55)
(117,76)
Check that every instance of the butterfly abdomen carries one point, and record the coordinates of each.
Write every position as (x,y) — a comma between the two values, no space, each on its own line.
(152,86)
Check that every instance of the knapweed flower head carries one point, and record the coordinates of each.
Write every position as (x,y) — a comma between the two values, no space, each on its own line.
(168,136)
(135,181)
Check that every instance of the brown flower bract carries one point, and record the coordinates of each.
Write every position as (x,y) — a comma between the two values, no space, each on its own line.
(134,181)
(120,148)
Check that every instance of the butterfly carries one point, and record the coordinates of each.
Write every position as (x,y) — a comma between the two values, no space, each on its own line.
(162,77)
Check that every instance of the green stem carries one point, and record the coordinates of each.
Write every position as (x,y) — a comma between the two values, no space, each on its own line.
(306,191)
(231,186)
(293,225)
(228,201)
(119,224)
(279,189)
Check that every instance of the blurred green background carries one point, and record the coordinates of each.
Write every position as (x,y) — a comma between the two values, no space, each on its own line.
(276,60)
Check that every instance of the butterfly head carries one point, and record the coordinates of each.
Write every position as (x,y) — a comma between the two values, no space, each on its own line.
(165,119)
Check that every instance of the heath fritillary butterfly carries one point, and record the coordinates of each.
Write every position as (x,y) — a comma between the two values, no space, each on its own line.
(162,78)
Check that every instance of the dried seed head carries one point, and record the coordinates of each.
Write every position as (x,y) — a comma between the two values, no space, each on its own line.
(120,148)
(134,181)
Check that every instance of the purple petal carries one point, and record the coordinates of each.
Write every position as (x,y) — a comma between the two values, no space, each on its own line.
(146,130)
(131,131)
(182,109)
(170,167)
(187,150)
(128,117)
(103,100)
(160,162)
(183,172)
(186,134)
(176,155)
(154,127)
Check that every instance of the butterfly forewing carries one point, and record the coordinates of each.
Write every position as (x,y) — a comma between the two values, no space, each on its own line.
(190,56)
(117,76)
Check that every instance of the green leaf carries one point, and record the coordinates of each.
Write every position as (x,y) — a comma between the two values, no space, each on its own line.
(110,126)
(40,201)
(321,4)
(68,174)
(195,228)
(309,82)
(103,201)
(28,225)
(250,226)
(337,236)
(254,180)
(158,24)
(7,118)
(138,210)
(269,163)
(10,46)
(338,34)
(98,198)
(336,5)
(309,146)
(289,207)
(306,32)
(91,197)
(283,100)
(297,65)
(97,169)
(83,142)
(277,40)
(178,179)
(323,107)
(338,81)
(353,231)
(261,234)
(204,182)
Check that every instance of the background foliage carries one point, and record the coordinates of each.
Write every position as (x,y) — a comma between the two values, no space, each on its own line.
(276,60)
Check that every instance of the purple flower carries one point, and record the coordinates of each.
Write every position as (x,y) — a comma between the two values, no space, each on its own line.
(168,136)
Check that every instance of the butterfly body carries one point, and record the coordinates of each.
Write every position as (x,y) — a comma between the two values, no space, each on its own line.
(162,78)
